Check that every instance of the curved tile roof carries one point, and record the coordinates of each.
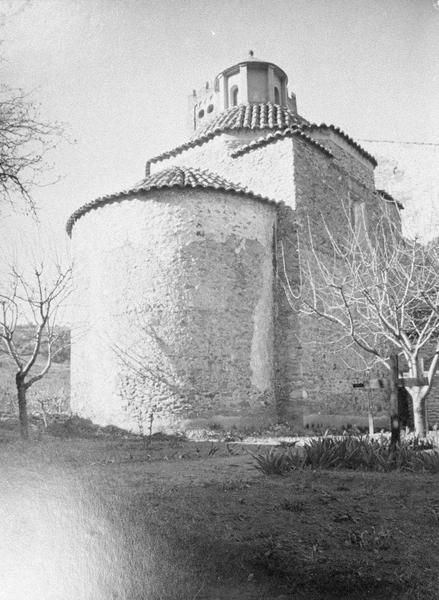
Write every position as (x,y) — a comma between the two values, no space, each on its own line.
(272,137)
(178,149)
(259,117)
(251,116)
(185,177)
(179,177)
(346,137)
(244,116)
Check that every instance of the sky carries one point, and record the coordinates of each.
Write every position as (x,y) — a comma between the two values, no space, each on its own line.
(117,74)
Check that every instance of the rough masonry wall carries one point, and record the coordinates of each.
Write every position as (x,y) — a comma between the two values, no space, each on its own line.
(174,297)
(322,195)
(288,354)
(266,170)
(347,157)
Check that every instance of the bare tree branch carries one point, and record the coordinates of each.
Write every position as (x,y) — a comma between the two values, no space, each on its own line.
(25,140)
(42,295)
(377,288)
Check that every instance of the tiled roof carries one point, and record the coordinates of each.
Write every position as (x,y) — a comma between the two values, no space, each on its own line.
(182,148)
(185,177)
(272,137)
(386,196)
(254,117)
(251,116)
(179,177)
(244,116)
(346,137)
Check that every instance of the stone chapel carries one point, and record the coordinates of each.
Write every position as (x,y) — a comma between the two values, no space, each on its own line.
(181,317)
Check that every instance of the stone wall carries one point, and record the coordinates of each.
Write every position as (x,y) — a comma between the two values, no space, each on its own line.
(174,301)
(313,190)
(288,353)
(323,197)
(267,170)
(346,156)
(182,306)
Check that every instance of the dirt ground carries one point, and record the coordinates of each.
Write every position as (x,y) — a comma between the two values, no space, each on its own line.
(174,519)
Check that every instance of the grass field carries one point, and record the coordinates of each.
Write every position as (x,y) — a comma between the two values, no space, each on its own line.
(115,517)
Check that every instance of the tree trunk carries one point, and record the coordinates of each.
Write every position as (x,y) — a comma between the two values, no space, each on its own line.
(419,413)
(395,429)
(22,407)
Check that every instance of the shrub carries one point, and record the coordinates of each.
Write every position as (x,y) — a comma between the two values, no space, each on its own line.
(427,461)
(277,461)
(74,427)
(354,453)
(417,443)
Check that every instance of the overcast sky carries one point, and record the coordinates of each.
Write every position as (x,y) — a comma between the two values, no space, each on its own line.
(118,73)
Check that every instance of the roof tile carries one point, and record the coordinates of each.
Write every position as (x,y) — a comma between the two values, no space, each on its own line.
(251,116)
(348,139)
(276,135)
(254,117)
(179,177)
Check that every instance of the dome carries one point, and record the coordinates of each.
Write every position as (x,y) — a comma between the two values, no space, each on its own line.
(251,116)
(249,82)
(185,177)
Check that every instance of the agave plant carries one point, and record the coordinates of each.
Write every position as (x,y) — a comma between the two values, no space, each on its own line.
(356,453)
(428,461)
(323,453)
(277,461)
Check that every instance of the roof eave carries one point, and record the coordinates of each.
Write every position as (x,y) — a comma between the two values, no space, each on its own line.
(347,138)
(280,135)
(124,195)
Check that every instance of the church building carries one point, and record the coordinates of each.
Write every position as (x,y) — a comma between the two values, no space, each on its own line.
(181,318)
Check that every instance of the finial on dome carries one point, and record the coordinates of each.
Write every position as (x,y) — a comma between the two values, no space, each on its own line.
(251,53)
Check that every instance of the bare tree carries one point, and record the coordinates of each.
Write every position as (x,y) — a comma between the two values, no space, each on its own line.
(380,293)
(24,142)
(34,300)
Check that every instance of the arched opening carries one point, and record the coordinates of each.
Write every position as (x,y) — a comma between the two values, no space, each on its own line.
(276,95)
(234,96)
(210,108)
(201,114)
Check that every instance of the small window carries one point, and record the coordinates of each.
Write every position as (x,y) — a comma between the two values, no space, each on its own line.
(210,108)
(276,96)
(234,96)
(201,114)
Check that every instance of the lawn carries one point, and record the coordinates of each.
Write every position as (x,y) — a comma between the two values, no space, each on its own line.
(114,517)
